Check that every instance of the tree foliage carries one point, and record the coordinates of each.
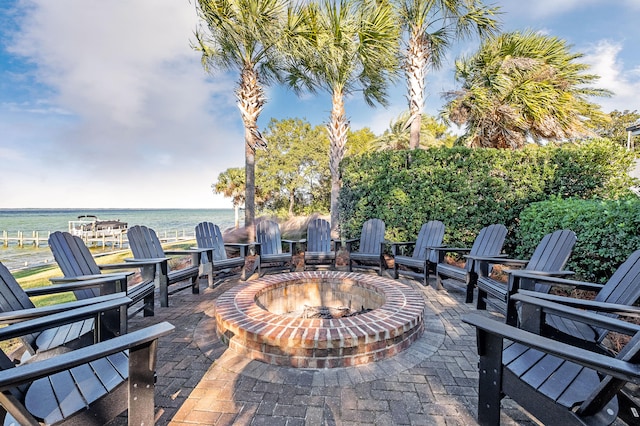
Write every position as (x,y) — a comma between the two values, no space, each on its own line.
(359,141)
(615,127)
(341,46)
(243,35)
(523,86)
(397,137)
(432,26)
(292,174)
(231,184)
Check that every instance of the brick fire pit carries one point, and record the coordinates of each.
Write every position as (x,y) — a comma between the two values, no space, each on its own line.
(255,319)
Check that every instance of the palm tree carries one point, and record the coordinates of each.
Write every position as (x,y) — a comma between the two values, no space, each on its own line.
(231,184)
(242,35)
(523,87)
(341,46)
(432,134)
(431,27)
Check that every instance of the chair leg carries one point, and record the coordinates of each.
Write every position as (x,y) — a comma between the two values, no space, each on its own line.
(395,270)
(439,285)
(148,306)
(195,287)
(472,279)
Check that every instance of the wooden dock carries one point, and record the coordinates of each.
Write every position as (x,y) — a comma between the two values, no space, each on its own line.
(40,238)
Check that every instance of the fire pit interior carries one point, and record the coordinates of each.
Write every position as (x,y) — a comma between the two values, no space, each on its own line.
(285,319)
(319,298)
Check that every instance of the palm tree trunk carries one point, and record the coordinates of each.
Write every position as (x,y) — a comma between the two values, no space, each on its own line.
(338,128)
(416,69)
(250,190)
(250,102)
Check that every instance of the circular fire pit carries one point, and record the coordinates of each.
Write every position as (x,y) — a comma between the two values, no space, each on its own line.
(258,319)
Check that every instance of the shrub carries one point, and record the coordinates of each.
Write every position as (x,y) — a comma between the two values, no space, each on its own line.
(468,189)
(607,232)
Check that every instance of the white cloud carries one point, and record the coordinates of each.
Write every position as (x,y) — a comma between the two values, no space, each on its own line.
(142,125)
(603,57)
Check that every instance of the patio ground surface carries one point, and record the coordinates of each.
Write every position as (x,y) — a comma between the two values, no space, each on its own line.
(434,382)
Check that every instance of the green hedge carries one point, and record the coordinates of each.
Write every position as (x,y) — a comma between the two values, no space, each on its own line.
(608,232)
(468,189)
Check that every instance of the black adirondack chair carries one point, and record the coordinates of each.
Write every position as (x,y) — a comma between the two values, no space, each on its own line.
(319,250)
(77,263)
(549,258)
(423,256)
(86,386)
(556,382)
(489,242)
(269,248)
(146,248)
(16,306)
(617,296)
(370,253)
(216,264)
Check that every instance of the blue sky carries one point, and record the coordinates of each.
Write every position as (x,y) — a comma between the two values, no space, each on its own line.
(104,103)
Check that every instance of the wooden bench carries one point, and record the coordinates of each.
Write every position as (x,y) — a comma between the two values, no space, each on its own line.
(87,386)
(423,255)
(77,263)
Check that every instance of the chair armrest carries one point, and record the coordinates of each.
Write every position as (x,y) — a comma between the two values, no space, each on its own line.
(502,260)
(11,317)
(122,265)
(602,363)
(67,317)
(532,276)
(149,261)
(28,373)
(568,308)
(112,275)
(446,249)
(78,285)
(542,273)
(185,252)
(488,259)
(592,305)
(396,245)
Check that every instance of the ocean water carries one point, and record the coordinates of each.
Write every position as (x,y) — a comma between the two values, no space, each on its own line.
(49,220)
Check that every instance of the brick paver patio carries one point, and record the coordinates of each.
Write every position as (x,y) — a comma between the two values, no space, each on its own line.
(434,382)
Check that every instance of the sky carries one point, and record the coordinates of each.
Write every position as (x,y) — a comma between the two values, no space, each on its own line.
(104,104)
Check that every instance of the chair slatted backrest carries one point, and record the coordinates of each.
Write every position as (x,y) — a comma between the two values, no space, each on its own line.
(319,236)
(208,235)
(13,298)
(268,236)
(372,236)
(74,259)
(552,252)
(144,243)
(624,285)
(431,235)
(609,385)
(622,288)
(489,242)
